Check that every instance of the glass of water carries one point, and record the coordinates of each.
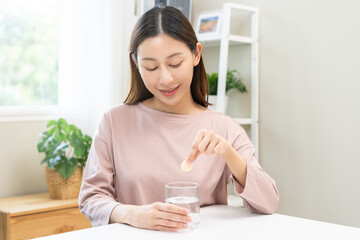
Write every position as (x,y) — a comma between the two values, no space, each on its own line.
(186,195)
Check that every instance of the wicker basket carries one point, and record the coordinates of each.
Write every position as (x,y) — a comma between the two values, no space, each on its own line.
(61,188)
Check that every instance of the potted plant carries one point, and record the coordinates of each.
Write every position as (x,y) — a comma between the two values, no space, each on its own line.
(232,82)
(66,150)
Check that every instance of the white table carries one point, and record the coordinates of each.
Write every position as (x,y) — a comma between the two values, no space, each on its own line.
(224,223)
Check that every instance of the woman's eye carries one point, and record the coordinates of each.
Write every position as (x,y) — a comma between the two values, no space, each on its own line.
(151,69)
(175,65)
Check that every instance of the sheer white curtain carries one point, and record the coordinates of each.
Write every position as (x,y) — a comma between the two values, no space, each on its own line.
(94,69)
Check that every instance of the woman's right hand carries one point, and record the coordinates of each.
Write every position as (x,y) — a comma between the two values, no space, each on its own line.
(156,216)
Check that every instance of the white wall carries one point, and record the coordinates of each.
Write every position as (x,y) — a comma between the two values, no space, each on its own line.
(309,104)
(21,171)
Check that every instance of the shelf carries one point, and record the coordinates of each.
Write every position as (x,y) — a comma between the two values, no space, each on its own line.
(233,40)
(223,41)
(240,39)
(243,121)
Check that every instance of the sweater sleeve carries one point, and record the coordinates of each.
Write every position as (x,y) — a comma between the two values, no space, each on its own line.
(97,192)
(260,194)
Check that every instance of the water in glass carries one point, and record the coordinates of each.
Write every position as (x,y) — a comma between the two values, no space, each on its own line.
(190,203)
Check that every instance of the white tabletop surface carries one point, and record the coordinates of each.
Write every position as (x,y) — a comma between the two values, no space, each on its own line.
(222,221)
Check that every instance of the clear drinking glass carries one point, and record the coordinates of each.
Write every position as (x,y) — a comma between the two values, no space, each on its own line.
(187,195)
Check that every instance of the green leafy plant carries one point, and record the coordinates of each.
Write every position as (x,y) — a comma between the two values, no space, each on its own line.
(65,147)
(232,81)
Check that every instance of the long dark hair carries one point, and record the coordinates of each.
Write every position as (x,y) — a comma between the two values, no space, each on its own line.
(170,21)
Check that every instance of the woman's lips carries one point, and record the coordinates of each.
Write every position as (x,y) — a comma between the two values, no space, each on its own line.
(169,92)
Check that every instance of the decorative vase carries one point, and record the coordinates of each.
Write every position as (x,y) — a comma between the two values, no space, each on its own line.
(61,188)
(213,100)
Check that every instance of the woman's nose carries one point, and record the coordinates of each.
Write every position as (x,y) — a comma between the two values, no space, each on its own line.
(166,76)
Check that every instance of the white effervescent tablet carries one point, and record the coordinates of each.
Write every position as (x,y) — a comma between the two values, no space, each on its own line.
(185,166)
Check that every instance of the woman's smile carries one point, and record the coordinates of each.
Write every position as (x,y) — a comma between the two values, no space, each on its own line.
(169,92)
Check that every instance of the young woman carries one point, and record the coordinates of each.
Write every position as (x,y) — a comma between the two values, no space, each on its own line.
(141,145)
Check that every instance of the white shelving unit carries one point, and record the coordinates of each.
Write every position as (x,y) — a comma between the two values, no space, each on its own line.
(225,40)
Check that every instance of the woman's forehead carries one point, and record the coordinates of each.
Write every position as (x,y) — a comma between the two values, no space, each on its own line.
(161,46)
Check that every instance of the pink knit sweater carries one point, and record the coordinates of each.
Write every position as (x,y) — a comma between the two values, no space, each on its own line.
(137,150)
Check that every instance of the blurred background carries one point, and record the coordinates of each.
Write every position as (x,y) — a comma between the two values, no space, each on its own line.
(70,59)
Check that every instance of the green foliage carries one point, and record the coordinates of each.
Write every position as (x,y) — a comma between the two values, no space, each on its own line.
(231,82)
(65,147)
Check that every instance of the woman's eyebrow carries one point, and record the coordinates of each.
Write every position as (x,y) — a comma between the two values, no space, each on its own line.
(153,59)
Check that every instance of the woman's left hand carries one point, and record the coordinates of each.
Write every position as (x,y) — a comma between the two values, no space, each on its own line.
(207,142)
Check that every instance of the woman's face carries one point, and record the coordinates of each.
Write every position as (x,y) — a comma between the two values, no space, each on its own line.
(166,67)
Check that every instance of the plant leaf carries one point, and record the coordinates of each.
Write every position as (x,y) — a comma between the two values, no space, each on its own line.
(212,79)
(232,81)
(82,161)
(61,149)
(54,161)
(46,160)
(66,167)
(41,146)
(62,129)
(64,126)
(78,142)
(51,123)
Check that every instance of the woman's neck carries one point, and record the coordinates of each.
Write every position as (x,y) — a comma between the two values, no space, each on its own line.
(183,108)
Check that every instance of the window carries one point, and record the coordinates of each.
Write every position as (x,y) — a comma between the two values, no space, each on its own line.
(29,46)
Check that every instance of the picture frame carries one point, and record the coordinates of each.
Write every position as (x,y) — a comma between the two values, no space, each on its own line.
(208,25)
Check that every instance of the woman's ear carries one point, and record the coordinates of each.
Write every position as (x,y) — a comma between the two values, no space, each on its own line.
(197,54)
(134,60)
